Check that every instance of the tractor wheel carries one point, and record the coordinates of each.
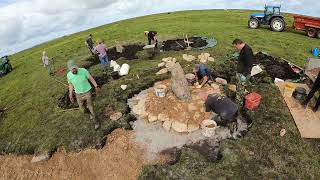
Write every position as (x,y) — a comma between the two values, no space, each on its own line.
(311,32)
(318,34)
(253,23)
(277,24)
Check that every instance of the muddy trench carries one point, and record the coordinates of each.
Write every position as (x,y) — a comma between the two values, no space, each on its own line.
(179,44)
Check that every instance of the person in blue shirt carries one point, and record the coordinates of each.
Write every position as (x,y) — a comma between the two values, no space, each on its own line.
(203,73)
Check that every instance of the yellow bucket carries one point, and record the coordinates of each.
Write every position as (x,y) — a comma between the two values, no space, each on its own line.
(288,89)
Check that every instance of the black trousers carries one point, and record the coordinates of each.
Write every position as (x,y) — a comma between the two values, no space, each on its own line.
(315,88)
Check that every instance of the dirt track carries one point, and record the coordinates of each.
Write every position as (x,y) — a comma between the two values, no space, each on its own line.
(119,159)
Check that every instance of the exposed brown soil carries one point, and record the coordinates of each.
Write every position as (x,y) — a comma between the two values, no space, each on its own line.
(179,44)
(61,72)
(119,159)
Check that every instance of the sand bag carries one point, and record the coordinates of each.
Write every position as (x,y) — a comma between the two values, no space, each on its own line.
(124,70)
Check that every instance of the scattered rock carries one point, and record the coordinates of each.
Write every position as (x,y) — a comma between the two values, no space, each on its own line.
(221,81)
(152,118)
(251,153)
(162,71)
(188,58)
(215,86)
(196,115)
(115,116)
(167,125)
(282,132)
(232,87)
(161,64)
(192,107)
(123,87)
(163,117)
(179,127)
(170,65)
(193,127)
(211,59)
(39,158)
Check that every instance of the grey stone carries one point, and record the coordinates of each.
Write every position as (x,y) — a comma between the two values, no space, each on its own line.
(179,83)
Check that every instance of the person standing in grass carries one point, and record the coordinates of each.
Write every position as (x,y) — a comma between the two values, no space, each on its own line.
(46,63)
(152,38)
(78,80)
(89,43)
(101,50)
(245,62)
(315,88)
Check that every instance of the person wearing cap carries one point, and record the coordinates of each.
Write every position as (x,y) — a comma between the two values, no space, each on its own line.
(78,80)
(152,39)
(101,50)
(202,72)
(314,89)
(245,61)
(89,43)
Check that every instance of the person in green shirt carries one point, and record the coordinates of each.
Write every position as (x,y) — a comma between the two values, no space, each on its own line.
(78,80)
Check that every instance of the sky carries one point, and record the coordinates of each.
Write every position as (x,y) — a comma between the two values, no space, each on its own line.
(26,23)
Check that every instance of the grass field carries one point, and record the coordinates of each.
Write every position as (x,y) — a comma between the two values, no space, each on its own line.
(33,123)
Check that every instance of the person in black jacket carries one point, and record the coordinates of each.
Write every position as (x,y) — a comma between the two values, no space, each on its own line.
(315,88)
(152,37)
(245,57)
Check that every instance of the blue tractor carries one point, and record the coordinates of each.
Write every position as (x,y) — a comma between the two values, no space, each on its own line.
(271,17)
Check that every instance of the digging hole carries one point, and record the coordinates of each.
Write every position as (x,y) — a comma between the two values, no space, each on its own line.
(276,68)
(179,44)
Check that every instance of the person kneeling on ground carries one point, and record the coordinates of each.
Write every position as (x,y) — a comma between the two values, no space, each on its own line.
(152,39)
(224,107)
(78,81)
(315,88)
(101,50)
(202,71)
(245,61)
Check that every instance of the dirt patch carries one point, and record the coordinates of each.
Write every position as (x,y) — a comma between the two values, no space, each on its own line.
(179,44)
(128,53)
(61,72)
(120,159)
(276,67)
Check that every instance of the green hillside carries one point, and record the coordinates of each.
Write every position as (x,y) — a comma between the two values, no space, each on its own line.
(34,123)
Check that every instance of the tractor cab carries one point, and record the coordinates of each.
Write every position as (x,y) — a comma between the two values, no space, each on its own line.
(271,16)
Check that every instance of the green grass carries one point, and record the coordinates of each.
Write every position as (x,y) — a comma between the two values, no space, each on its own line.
(34,123)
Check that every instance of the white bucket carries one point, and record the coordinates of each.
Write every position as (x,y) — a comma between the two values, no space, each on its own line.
(116,67)
(113,63)
(124,70)
(160,90)
(208,128)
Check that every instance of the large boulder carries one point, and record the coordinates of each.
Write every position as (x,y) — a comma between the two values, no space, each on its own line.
(179,83)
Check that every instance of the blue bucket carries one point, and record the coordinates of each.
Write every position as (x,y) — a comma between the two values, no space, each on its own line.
(315,52)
